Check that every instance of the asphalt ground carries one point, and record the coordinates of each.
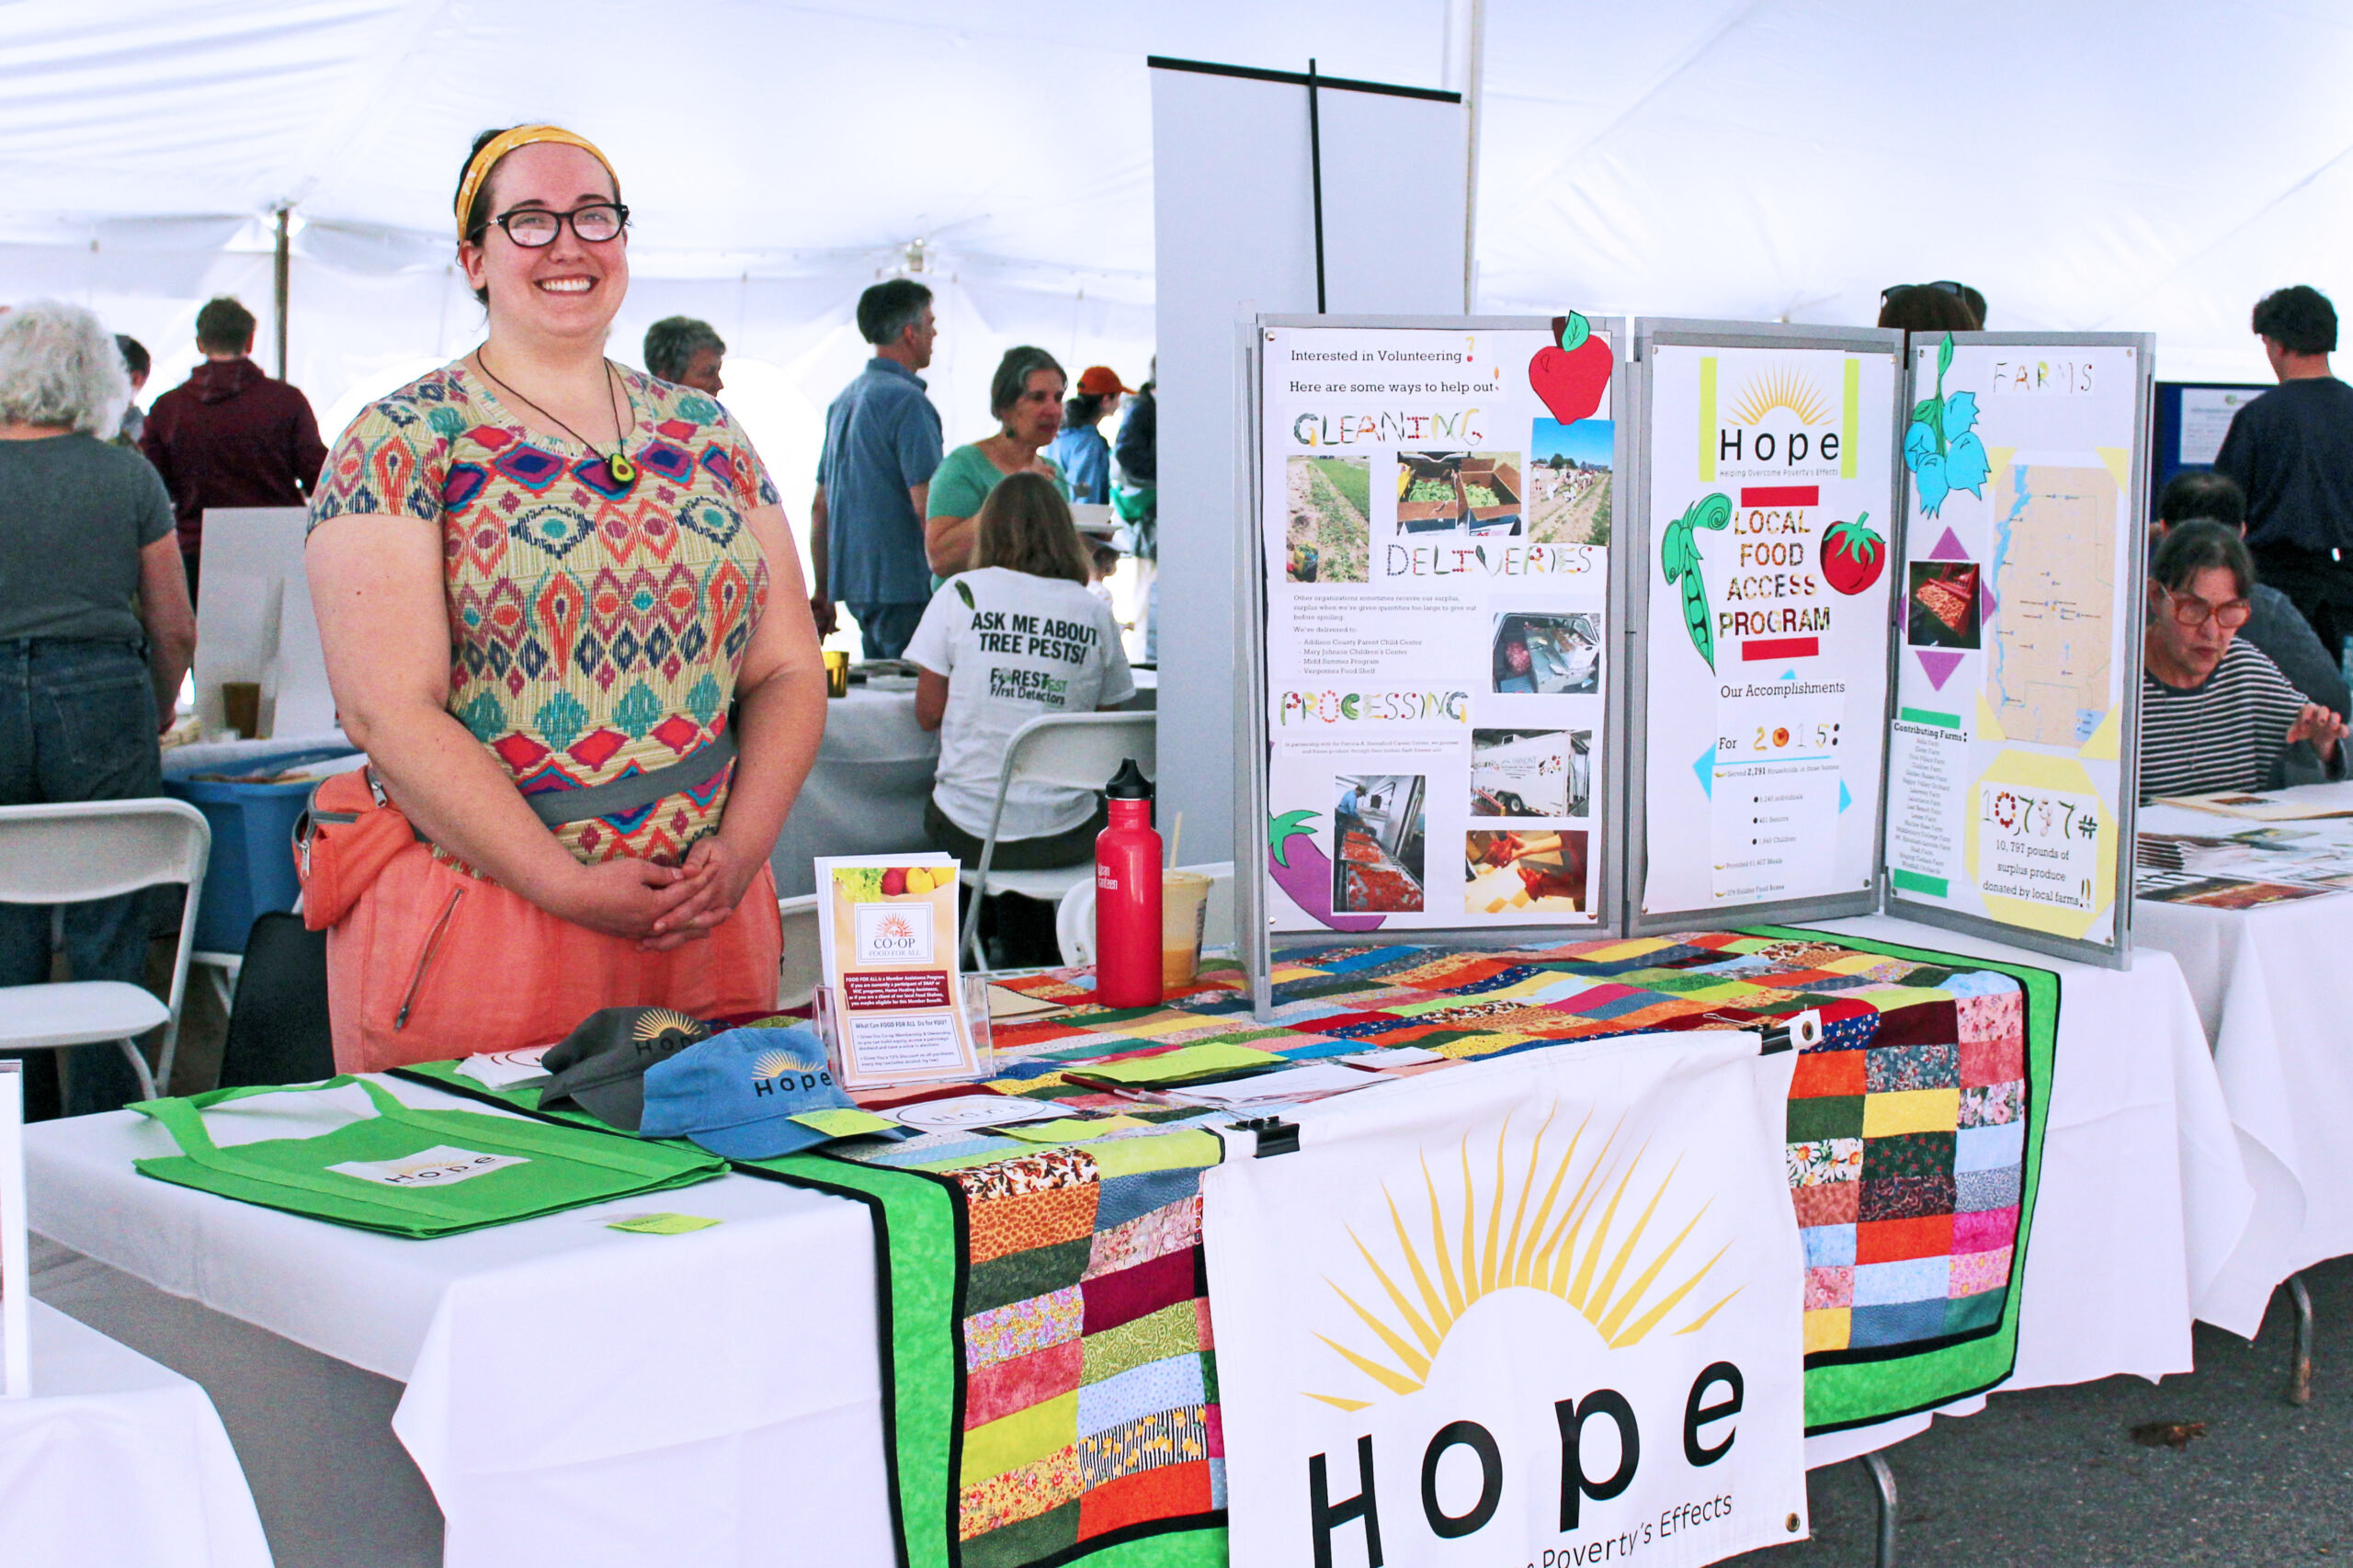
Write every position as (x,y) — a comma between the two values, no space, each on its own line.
(2055,1476)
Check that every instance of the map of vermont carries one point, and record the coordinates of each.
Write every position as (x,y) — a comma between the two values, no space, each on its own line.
(2053,572)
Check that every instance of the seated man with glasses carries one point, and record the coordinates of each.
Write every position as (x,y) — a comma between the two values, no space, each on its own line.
(2216,713)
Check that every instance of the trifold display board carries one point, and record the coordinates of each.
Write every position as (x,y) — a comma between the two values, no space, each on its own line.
(1556,628)
(1428,702)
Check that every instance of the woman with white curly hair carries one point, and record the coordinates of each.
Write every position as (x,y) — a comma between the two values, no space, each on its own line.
(96,632)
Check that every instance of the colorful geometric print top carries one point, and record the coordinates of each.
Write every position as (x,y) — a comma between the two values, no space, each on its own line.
(596,628)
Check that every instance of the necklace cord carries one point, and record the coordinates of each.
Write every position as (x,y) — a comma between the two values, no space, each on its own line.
(616,463)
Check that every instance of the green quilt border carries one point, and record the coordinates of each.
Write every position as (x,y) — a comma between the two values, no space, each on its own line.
(1838,1397)
(919,1226)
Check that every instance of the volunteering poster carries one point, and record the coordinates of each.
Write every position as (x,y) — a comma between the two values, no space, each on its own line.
(1768,579)
(2020,579)
(1541,1309)
(1436,512)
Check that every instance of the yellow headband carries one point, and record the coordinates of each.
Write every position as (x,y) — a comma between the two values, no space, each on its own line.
(506,142)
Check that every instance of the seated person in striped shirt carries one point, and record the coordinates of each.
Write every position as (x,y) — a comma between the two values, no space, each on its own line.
(2215,712)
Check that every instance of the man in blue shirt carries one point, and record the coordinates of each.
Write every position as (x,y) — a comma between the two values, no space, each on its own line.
(2291,451)
(882,443)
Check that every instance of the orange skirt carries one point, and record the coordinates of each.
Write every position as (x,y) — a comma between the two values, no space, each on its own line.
(503,975)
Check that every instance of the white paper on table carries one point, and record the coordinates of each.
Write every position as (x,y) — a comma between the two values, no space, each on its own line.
(961,1111)
(1394,1056)
(2302,803)
(1290,1084)
(15,1271)
(505,1069)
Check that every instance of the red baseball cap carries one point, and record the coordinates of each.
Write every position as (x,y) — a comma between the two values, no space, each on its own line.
(1100,381)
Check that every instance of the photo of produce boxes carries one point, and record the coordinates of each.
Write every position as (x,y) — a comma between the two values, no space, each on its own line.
(1491,492)
(1429,492)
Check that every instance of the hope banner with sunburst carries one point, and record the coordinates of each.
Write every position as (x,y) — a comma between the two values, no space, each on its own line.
(1545,1309)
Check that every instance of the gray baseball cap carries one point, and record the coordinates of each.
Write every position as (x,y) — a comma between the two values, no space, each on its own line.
(600,1066)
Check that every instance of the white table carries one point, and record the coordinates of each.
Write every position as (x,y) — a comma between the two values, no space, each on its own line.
(866,792)
(2270,985)
(114,1460)
(576,1395)
(2143,1196)
(571,1404)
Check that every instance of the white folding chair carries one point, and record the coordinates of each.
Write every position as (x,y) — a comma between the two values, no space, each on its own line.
(1074,750)
(76,851)
(1074,916)
(803,965)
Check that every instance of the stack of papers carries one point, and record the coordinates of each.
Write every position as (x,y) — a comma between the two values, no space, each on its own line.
(2242,870)
(1313,1080)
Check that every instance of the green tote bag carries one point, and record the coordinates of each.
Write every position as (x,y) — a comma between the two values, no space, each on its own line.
(416,1173)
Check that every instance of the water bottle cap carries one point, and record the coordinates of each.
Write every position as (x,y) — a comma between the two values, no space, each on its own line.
(1129,783)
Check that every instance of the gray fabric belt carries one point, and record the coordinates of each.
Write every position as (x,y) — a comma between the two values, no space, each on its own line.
(557,807)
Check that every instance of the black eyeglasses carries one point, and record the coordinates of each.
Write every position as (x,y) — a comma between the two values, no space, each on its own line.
(536,227)
(1957,290)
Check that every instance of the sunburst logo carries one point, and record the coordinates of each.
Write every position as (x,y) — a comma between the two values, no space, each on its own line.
(1781,387)
(655,1022)
(894,927)
(1507,1237)
(775,1064)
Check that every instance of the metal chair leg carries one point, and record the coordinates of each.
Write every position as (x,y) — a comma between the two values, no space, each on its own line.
(138,1066)
(1883,1481)
(2299,1365)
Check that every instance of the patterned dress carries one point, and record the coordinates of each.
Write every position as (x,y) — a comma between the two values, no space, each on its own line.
(595,629)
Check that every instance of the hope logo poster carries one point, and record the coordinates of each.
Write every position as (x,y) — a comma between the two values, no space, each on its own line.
(1540,1310)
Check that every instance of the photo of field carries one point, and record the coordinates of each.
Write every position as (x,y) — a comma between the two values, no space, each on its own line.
(1328,501)
(1569,481)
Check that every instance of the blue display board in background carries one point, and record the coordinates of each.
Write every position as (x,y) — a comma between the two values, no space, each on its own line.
(2190,446)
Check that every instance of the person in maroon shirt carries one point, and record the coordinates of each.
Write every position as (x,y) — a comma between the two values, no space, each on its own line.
(230,436)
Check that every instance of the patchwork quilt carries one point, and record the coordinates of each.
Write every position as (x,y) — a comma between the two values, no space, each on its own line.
(1048,1337)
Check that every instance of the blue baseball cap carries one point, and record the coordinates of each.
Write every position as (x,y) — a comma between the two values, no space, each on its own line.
(737,1094)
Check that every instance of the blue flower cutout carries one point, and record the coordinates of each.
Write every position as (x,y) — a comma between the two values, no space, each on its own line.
(1960,415)
(1965,465)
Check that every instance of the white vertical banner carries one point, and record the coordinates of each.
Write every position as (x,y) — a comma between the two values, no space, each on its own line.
(1538,1310)
(1234,216)
(16,1268)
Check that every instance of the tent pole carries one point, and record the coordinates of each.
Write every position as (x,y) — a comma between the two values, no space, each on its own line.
(281,279)
(1472,85)
(1315,175)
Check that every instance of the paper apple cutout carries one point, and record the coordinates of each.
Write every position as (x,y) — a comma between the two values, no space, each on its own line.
(1572,377)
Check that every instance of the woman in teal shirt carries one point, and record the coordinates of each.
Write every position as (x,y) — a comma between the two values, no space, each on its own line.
(1026,395)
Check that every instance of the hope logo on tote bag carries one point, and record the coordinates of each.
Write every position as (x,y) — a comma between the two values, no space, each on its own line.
(437,1166)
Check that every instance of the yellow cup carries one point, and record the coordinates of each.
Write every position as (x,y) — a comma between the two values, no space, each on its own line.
(837,673)
(1183,912)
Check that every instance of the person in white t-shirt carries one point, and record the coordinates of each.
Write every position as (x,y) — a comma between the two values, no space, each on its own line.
(1018,637)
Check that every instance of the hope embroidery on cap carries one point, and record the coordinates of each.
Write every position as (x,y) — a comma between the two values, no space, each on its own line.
(778,1070)
(662,1030)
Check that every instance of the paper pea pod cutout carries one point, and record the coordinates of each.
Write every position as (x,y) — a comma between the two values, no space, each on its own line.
(1679,561)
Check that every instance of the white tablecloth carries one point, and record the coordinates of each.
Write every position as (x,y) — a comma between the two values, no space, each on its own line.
(865,794)
(581,1396)
(2143,1195)
(116,1462)
(2269,985)
(576,1396)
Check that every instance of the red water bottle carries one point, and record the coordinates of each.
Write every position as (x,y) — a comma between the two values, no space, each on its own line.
(1127,896)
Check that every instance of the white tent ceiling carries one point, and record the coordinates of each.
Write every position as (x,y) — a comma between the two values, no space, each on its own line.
(2086,165)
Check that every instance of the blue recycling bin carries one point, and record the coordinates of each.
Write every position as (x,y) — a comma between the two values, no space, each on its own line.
(251,868)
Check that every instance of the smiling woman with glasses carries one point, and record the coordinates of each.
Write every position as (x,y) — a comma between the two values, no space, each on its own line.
(563,615)
(2215,712)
